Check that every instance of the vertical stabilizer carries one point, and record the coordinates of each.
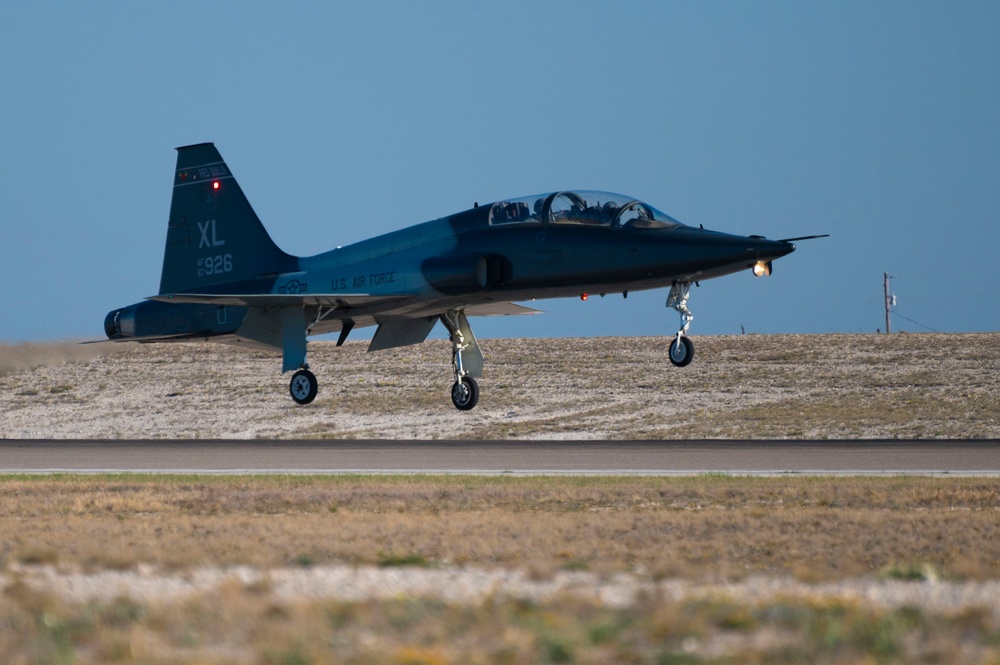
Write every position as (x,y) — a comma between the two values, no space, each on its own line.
(214,237)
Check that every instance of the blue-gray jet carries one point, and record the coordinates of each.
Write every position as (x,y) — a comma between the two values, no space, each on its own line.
(224,279)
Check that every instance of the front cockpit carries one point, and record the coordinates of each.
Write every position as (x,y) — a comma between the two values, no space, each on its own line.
(584,208)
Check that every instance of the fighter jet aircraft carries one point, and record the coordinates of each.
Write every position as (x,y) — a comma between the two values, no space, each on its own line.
(224,279)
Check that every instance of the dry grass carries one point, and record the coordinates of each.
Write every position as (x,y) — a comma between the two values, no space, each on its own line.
(247,625)
(699,528)
(774,386)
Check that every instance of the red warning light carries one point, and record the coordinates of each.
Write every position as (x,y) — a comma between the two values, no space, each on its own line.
(215,185)
(583,296)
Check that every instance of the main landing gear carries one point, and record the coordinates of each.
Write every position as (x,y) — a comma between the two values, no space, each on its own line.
(467,358)
(681,350)
(303,386)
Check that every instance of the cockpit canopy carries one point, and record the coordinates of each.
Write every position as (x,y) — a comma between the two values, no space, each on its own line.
(583,208)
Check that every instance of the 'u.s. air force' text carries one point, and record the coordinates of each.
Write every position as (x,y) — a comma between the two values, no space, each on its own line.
(364,281)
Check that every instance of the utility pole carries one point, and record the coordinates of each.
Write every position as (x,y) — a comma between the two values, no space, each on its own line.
(885,286)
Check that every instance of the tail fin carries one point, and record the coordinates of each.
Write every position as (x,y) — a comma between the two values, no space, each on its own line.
(214,237)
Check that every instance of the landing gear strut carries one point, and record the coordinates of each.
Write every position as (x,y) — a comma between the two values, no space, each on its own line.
(681,350)
(303,386)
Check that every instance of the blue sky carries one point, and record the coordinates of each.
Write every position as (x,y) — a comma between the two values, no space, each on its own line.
(878,123)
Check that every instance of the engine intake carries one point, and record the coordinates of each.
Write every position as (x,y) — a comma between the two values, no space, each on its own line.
(460,274)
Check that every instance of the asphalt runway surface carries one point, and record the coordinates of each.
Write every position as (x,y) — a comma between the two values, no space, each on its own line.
(929,457)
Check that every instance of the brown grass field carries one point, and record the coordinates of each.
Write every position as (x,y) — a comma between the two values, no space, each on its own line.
(704,527)
(942,532)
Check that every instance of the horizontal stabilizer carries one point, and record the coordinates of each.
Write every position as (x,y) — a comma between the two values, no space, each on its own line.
(179,337)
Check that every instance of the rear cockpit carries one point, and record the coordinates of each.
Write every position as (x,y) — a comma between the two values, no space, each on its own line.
(582,208)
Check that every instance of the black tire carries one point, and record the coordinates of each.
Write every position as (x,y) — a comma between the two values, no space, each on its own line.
(465,394)
(303,387)
(681,355)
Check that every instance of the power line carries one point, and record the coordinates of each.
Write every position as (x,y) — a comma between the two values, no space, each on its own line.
(912,321)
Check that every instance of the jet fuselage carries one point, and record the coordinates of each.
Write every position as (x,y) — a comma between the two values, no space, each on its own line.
(224,279)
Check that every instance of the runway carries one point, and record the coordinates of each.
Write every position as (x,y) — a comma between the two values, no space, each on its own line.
(867,457)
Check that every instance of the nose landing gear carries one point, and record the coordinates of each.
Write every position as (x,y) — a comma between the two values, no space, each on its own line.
(467,360)
(465,393)
(681,351)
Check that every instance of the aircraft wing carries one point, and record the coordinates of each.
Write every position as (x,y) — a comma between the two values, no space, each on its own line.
(344,300)
(271,321)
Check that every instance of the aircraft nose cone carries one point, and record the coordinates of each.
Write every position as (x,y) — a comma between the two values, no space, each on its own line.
(768,250)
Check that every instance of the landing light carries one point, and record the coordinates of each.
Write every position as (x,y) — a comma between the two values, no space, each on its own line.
(762,269)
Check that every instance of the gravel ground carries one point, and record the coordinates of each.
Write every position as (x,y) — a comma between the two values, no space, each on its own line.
(754,386)
(473,586)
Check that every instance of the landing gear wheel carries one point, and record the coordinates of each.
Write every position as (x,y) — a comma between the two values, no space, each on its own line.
(465,394)
(303,387)
(682,353)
